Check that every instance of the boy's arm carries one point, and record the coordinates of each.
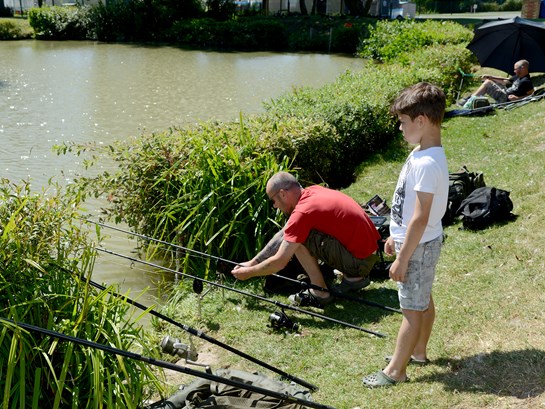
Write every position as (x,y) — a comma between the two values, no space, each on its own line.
(415,230)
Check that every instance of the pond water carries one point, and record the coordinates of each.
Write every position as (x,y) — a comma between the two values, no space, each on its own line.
(52,92)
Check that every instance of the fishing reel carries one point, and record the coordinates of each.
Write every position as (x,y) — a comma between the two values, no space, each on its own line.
(173,346)
(279,320)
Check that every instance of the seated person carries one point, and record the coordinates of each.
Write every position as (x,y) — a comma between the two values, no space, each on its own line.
(497,87)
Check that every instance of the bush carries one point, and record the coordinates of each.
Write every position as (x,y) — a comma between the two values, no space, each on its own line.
(117,21)
(242,34)
(357,107)
(139,21)
(388,39)
(271,33)
(59,23)
(14,30)
(442,64)
(46,260)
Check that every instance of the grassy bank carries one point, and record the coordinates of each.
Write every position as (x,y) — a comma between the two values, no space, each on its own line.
(487,346)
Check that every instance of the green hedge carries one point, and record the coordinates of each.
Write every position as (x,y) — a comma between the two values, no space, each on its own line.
(251,34)
(59,23)
(11,29)
(389,39)
(357,104)
(142,21)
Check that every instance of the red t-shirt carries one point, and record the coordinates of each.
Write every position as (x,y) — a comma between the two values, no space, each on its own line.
(335,214)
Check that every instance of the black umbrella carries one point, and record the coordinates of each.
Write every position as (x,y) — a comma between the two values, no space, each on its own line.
(500,44)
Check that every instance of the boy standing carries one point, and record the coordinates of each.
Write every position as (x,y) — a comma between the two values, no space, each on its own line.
(416,232)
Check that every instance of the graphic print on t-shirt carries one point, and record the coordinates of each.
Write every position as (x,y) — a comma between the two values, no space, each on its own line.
(399,194)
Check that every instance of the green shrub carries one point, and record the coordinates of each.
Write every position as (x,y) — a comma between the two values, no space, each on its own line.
(347,37)
(357,107)
(388,39)
(242,34)
(46,258)
(442,63)
(135,20)
(204,187)
(59,23)
(271,33)
(509,5)
(14,30)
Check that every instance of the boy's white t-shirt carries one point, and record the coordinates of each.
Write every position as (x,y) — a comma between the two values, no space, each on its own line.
(424,171)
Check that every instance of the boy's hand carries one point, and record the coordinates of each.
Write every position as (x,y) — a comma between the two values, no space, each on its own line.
(398,270)
(389,247)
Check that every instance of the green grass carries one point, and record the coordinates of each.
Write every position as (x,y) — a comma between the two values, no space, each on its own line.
(487,345)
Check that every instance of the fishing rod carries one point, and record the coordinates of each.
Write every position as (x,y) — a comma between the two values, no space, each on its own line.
(278,304)
(167,365)
(202,335)
(303,284)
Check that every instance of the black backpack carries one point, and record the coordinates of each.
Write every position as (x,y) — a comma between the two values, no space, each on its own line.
(461,184)
(485,206)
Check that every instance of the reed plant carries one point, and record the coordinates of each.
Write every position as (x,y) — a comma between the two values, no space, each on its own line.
(46,261)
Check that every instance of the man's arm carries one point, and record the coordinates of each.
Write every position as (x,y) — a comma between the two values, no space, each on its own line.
(268,266)
(415,230)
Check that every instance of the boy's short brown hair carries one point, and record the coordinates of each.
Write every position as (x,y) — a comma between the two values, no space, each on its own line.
(421,99)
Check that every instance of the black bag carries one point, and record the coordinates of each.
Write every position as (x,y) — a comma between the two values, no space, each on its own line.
(275,284)
(485,206)
(461,184)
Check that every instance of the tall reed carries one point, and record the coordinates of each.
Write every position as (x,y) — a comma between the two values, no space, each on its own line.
(45,262)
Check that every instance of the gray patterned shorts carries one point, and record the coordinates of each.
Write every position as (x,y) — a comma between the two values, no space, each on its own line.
(415,292)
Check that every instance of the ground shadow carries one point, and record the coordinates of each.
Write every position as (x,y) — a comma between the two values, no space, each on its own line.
(517,373)
(359,314)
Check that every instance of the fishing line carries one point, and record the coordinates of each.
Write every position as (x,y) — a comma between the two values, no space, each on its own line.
(303,284)
(278,304)
(167,365)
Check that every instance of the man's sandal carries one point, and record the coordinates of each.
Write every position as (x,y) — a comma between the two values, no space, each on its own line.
(307,298)
(380,380)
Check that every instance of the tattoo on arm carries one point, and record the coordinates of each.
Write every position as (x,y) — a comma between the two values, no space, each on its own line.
(271,248)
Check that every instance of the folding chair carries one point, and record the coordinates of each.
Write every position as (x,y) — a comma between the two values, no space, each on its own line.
(462,81)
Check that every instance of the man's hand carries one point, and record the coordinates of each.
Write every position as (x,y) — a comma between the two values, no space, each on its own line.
(242,271)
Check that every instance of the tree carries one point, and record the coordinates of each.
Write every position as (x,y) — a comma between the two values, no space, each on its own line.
(303,7)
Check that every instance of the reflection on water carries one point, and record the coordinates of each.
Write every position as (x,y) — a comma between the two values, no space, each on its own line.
(51,92)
